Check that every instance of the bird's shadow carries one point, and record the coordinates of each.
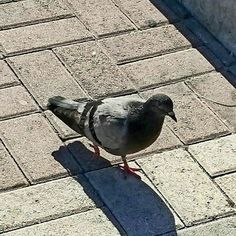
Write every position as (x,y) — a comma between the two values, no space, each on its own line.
(133,206)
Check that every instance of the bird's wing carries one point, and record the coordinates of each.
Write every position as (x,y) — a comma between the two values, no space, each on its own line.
(109,121)
(69,111)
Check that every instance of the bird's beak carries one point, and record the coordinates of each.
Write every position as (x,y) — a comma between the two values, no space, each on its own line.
(172,115)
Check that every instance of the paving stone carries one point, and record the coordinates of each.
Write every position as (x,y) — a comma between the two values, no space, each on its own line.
(195,120)
(10,174)
(29,11)
(167,68)
(143,13)
(7,76)
(166,140)
(42,35)
(226,226)
(15,101)
(63,130)
(185,186)
(127,198)
(214,86)
(216,156)
(43,202)
(44,76)
(90,223)
(143,44)
(210,41)
(92,14)
(94,70)
(227,183)
(161,6)
(35,150)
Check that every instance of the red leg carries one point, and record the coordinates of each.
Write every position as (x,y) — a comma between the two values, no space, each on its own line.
(128,169)
(96,149)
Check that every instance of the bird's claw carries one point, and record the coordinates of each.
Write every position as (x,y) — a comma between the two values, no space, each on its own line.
(130,170)
(96,150)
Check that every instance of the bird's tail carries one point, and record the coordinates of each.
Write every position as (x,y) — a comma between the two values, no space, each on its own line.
(58,101)
(66,110)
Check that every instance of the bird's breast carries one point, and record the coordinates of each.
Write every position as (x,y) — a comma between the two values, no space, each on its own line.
(143,135)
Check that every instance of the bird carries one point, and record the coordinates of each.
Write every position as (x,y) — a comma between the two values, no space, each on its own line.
(119,125)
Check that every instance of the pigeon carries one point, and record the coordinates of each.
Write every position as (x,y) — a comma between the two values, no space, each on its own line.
(120,125)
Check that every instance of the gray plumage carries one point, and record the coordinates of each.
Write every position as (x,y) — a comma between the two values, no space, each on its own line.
(121,125)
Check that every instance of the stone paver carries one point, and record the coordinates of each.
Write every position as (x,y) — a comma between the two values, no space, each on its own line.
(15,101)
(94,70)
(28,11)
(90,223)
(127,198)
(195,121)
(216,156)
(214,86)
(93,49)
(167,68)
(227,183)
(196,198)
(220,227)
(62,129)
(143,13)
(10,174)
(43,202)
(32,142)
(143,44)
(38,36)
(7,76)
(44,76)
(92,13)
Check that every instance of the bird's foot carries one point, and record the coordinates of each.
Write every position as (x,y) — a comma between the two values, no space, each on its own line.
(130,170)
(96,150)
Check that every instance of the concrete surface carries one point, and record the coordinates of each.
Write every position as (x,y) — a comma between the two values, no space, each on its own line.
(50,181)
(167,68)
(94,66)
(218,17)
(166,171)
(89,223)
(217,156)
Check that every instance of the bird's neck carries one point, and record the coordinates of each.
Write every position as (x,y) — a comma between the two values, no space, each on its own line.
(147,121)
(143,130)
(152,120)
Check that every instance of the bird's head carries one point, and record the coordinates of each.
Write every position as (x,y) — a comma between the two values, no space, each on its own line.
(160,104)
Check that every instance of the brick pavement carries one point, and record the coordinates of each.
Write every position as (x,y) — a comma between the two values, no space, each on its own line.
(51,184)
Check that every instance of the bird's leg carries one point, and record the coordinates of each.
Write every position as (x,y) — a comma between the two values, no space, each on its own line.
(96,149)
(128,169)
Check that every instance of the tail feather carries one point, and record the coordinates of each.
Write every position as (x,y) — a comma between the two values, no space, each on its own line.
(66,110)
(62,102)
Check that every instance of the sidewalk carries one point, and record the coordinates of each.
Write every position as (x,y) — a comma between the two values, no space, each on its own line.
(51,184)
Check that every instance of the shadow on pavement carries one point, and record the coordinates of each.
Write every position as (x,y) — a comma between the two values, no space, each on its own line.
(132,202)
